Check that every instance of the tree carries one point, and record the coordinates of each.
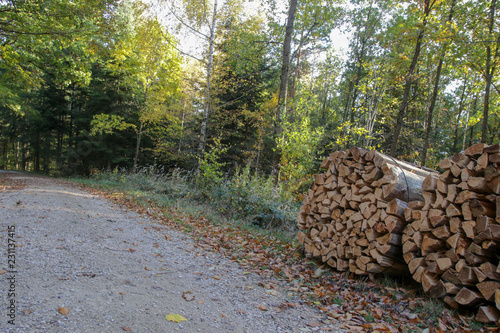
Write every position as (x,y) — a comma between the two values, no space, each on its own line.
(200,18)
(436,84)
(145,57)
(285,68)
(245,79)
(46,46)
(492,48)
(409,76)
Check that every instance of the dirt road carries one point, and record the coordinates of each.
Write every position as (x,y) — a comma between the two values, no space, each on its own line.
(65,250)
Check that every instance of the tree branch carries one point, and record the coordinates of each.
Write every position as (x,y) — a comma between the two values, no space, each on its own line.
(187,25)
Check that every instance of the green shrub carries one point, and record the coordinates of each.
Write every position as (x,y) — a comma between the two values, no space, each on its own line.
(210,172)
(255,198)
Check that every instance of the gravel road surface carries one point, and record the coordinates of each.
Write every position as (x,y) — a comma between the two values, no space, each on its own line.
(79,263)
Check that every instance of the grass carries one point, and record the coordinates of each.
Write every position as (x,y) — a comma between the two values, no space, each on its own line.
(249,202)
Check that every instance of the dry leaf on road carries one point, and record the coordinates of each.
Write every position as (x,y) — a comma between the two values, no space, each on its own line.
(63,311)
(263,307)
(188,295)
(175,318)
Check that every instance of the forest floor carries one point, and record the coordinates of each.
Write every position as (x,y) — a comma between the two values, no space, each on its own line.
(84,264)
(92,260)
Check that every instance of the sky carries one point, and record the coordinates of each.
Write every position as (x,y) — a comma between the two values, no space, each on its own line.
(189,43)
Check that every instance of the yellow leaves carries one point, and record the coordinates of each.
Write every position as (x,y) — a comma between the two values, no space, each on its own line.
(175,318)
(106,123)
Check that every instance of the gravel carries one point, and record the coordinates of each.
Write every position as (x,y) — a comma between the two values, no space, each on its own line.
(117,271)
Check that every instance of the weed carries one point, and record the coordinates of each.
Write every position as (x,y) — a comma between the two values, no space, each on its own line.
(476,326)
(369,317)
(430,310)
(337,300)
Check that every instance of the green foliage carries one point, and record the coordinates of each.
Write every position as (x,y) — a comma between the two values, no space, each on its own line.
(298,146)
(100,84)
(108,123)
(255,198)
(210,169)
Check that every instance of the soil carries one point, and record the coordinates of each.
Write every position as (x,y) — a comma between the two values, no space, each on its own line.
(83,264)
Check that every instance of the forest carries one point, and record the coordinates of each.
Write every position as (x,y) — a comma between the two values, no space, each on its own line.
(89,85)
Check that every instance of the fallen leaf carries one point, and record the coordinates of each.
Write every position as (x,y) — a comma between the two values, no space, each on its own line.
(3,271)
(146,268)
(126,329)
(314,324)
(378,313)
(175,318)
(216,277)
(131,250)
(122,293)
(318,272)
(263,307)
(272,292)
(223,316)
(28,311)
(286,305)
(188,296)
(63,311)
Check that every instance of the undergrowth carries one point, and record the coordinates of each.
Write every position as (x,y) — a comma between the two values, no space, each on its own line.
(247,199)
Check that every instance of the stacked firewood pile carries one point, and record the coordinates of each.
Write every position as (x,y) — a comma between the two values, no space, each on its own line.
(353,216)
(452,243)
(369,213)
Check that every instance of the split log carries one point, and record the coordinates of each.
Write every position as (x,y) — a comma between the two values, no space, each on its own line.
(456,234)
(363,195)
(487,314)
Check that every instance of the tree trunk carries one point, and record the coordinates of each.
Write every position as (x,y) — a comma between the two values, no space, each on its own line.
(36,154)
(206,109)
(137,147)
(285,68)
(460,109)
(435,93)
(489,71)
(23,154)
(474,105)
(409,79)
(60,142)
(360,54)
(290,111)
(323,107)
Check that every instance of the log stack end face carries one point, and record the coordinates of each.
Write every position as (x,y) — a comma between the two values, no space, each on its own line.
(354,215)
(454,236)
(369,213)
